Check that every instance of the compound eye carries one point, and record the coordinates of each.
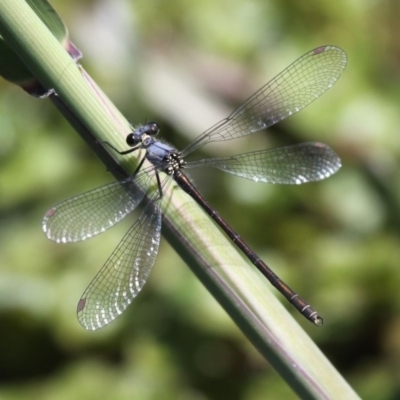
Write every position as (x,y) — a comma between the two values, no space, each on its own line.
(132,140)
(152,128)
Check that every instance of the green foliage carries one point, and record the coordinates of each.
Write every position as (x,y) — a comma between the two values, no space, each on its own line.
(11,66)
(336,242)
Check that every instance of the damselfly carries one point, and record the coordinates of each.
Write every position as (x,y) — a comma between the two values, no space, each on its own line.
(127,269)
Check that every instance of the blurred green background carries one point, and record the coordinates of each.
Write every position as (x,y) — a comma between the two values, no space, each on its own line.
(187,65)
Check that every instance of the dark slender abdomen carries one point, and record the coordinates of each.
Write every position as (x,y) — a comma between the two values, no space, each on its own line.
(304,308)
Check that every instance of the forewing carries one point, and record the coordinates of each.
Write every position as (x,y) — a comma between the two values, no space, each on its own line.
(125,272)
(301,163)
(289,92)
(91,213)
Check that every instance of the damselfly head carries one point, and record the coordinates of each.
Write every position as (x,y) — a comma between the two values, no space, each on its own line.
(150,129)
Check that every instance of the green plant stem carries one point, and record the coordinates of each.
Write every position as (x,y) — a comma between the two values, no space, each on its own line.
(239,288)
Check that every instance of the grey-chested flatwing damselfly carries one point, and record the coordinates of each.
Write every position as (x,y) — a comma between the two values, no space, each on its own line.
(125,272)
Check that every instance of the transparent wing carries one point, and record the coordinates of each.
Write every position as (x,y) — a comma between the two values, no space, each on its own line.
(301,163)
(124,274)
(93,212)
(289,92)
